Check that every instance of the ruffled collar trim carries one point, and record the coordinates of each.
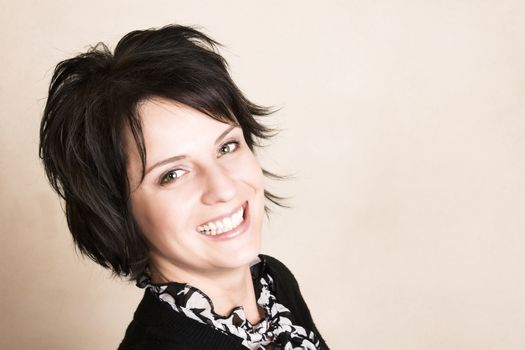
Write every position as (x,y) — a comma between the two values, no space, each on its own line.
(275,328)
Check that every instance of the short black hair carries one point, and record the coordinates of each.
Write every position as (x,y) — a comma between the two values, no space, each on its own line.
(93,98)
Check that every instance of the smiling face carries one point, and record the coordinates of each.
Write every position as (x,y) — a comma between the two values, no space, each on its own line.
(201,203)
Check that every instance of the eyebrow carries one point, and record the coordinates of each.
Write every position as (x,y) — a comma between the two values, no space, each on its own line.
(175,158)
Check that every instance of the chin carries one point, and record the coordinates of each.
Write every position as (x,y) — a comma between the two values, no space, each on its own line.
(242,256)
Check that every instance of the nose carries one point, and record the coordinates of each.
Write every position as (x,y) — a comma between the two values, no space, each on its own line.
(219,186)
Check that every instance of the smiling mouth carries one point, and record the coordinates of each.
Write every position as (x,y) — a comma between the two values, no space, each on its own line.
(224,225)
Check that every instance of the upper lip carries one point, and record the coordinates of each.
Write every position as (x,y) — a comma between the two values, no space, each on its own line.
(218,218)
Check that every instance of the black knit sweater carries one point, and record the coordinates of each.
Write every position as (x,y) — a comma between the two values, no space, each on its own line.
(157,326)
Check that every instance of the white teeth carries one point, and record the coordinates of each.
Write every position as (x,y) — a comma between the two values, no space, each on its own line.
(237,218)
(227,223)
(220,226)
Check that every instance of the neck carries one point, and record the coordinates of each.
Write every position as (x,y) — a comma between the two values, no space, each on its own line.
(227,289)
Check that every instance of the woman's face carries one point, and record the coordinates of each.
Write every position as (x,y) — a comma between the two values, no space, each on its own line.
(201,203)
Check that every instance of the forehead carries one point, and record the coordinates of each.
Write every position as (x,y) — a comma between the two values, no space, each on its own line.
(170,127)
(158,114)
(170,122)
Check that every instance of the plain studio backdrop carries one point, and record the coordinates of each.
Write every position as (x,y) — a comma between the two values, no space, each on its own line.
(403,124)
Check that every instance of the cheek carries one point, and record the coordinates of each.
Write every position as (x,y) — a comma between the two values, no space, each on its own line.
(157,216)
(251,172)
(145,217)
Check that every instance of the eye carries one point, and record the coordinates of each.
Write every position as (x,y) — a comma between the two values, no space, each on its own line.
(228,147)
(172,175)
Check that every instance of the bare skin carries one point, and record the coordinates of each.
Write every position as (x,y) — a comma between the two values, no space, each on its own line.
(199,171)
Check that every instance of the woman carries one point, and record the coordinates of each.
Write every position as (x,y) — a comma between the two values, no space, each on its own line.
(151,149)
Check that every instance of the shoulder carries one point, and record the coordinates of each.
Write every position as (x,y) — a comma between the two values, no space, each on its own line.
(278,270)
(288,293)
(156,326)
(148,319)
(285,284)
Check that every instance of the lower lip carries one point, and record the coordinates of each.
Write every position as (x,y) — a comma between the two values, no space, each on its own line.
(239,230)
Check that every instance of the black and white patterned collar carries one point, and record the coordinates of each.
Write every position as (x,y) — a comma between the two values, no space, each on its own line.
(275,331)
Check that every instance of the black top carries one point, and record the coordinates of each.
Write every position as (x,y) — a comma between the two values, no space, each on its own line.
(157,326)
(276,328)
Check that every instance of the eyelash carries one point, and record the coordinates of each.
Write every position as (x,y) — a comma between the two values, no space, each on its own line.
(234,142)
(164,180)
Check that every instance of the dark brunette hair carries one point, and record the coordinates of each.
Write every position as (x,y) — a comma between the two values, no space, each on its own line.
(93,98)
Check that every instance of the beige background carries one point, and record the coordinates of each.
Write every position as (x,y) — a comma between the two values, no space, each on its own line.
(403,123)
